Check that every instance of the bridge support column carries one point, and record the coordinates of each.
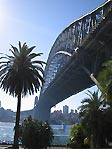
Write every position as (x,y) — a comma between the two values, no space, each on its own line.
(42,111)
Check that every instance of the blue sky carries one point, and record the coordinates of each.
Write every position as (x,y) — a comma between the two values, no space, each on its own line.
(38,22)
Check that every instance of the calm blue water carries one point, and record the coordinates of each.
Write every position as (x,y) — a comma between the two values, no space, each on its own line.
(6,132)
(61,133)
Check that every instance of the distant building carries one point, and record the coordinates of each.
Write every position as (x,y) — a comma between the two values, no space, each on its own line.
(57,113)
(72,111)
(65,109)
(76,111)
(36,101)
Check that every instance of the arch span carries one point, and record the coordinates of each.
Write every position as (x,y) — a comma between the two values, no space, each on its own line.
(85,42)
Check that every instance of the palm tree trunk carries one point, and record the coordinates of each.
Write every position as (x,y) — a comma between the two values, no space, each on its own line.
(16,134)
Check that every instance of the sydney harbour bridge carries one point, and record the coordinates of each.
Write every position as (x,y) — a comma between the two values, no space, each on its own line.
(79,51)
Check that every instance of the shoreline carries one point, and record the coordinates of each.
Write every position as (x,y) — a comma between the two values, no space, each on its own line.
(20,147)
(8,147)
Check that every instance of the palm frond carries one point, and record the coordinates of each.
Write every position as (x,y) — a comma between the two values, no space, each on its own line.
(19,45)
(38,62)
(14,51)
(30,50)
(33,55)
(18,73)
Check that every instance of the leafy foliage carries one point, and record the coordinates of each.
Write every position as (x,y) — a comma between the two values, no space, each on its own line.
(89,114)
(76,136)
(96,112)
(96,121)
(105,79)
(35,134)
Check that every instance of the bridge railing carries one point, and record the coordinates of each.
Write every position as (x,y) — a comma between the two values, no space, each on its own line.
(72,37)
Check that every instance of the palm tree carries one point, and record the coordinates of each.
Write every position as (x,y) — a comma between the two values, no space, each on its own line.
(20,74)
(89,114)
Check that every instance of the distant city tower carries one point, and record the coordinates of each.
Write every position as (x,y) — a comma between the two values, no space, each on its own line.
(36,101)
(65,109)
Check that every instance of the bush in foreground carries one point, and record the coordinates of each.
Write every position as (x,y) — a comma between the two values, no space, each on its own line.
(77,137)
(35,134)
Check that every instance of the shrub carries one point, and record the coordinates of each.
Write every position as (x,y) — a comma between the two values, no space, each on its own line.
(35,134)
(76,137)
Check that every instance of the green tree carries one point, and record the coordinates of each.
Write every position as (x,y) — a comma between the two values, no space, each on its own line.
(105,80)
(76,136)
(35,134)
(90,114)
(20,74)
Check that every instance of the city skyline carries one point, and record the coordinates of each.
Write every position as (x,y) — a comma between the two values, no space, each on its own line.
(38,22)
(63,111)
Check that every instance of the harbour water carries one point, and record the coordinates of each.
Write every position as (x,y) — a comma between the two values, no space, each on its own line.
(61,133)
(6,132)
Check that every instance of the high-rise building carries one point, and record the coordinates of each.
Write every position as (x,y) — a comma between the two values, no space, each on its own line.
(36,101)
(65,109)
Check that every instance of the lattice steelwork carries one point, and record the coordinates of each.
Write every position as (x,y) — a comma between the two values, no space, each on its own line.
(72,38)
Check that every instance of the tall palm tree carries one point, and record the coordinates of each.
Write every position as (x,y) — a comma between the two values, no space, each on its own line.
(89,114)
(20,74)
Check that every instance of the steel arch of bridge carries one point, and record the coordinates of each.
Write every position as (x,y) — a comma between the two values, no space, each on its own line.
(58,61)
(72,38)
(83,38)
